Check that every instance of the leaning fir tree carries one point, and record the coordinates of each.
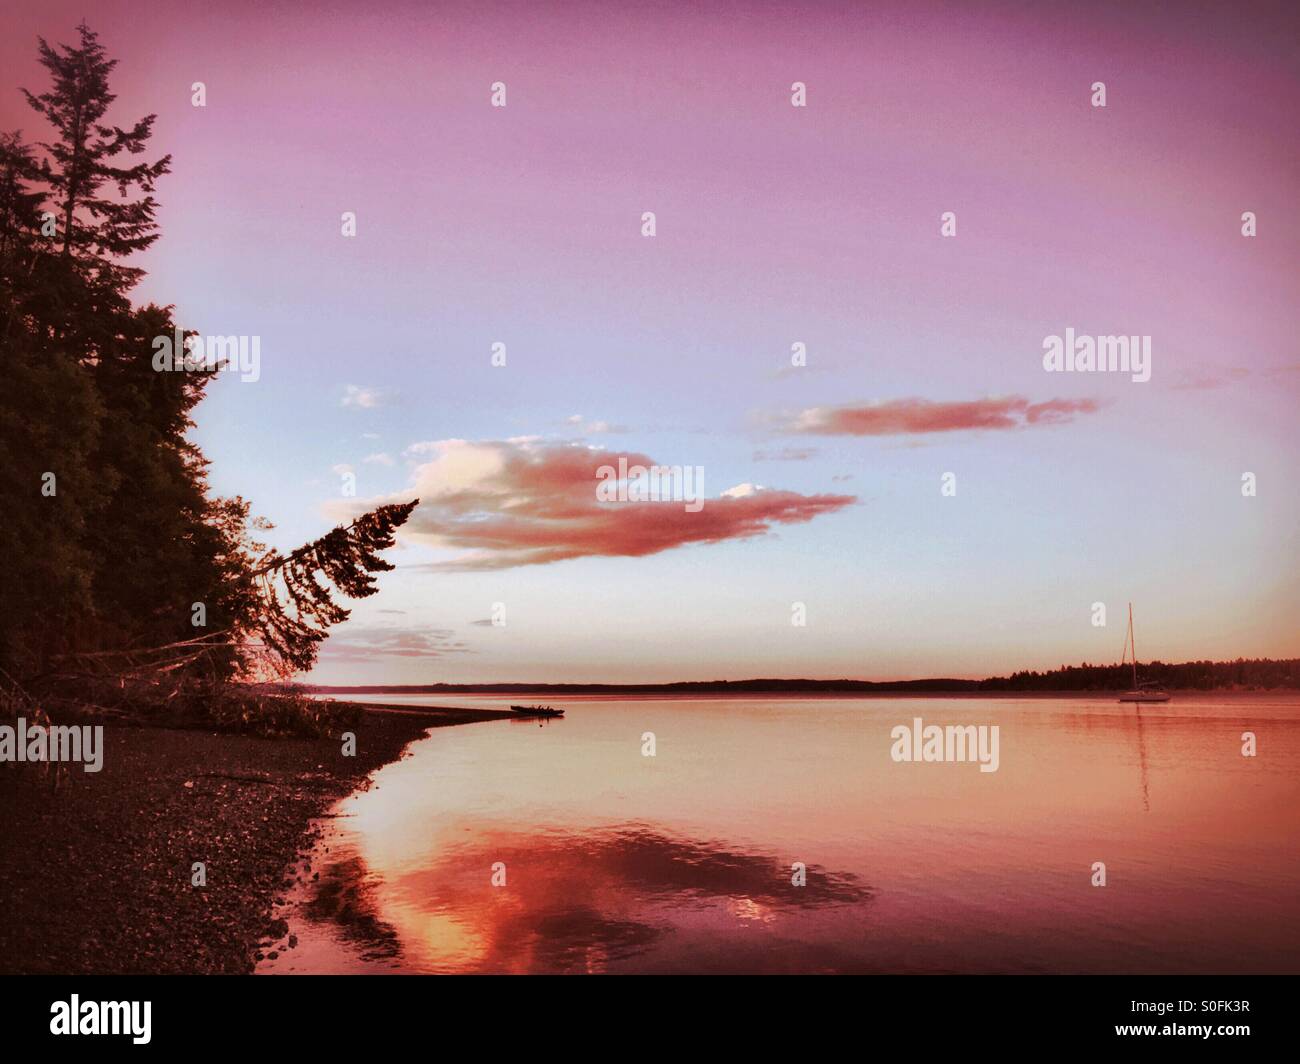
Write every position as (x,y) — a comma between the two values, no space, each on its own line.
(297,591)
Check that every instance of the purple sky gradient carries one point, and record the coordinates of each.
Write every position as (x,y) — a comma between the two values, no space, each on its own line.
(775,225)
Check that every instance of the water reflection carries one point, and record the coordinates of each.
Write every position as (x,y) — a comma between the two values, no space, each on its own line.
(344,899)
(682,862)
(570,902)
(1142,760)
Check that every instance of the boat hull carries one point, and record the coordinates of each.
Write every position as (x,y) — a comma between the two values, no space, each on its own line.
(1145,696)
(536,711)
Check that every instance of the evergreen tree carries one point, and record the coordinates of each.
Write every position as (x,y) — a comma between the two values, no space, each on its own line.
(95,231)
(50,418)
(50,421)
(115,557)
(297,608)
(20,227)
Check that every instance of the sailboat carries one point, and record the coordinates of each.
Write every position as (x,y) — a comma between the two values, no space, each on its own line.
(1141,692)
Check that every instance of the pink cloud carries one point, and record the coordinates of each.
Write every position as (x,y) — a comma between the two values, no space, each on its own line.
(905,417)
(526,502)
(354,644)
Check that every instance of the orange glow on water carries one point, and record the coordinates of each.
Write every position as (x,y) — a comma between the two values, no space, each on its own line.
(682,862)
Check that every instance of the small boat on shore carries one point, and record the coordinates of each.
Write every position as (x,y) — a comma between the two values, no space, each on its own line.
(537,711)
(1147,691)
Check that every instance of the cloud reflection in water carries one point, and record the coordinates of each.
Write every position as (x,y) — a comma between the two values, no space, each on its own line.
(582,902)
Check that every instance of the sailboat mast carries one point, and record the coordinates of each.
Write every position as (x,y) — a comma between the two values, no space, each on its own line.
(1132,642)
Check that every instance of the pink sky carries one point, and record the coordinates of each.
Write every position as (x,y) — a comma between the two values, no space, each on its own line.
(775,225)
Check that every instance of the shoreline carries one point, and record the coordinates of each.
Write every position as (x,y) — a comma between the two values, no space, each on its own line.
(1226,693)
(103,866)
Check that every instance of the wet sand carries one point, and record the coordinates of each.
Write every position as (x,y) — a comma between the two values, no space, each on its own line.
(96,876)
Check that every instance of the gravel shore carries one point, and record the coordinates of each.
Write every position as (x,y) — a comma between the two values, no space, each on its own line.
(96,876)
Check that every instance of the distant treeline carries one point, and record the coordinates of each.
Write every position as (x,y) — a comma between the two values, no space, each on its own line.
(1256,673)
(1188,675)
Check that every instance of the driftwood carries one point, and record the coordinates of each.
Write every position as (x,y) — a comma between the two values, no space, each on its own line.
(181,684)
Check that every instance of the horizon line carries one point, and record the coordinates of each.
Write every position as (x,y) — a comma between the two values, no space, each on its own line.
(842,682)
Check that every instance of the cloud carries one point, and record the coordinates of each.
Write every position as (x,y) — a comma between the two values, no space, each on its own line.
(365,398)
(590,898)
(579,424)
(1208,379)
(351,644)
(509,503)
(786,454)
(903,417)
(378,459)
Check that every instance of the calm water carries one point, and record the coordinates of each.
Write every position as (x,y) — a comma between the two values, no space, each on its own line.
(617,862)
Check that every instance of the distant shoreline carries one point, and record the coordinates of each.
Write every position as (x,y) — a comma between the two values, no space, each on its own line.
(828,696)
(744,689)
(1241,674)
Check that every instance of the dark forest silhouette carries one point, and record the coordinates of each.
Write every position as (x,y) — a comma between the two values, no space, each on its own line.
(1245,674)
(110,536)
